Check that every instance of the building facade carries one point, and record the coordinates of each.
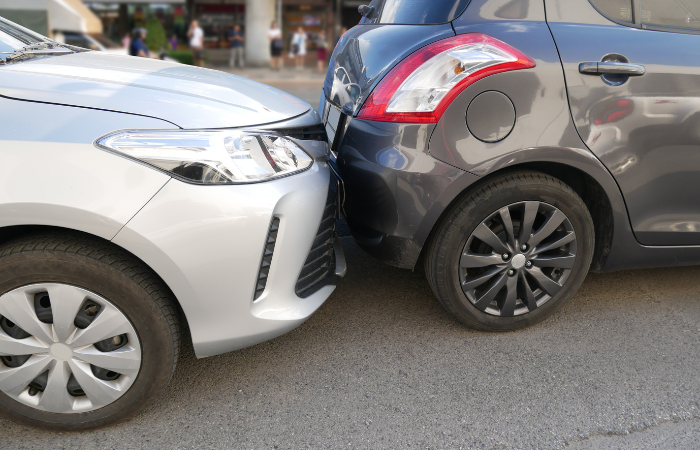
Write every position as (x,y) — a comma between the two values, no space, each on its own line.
(217,17)
(256,16)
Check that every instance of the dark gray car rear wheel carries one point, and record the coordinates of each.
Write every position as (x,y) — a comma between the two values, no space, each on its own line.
(512,252)
(88,334)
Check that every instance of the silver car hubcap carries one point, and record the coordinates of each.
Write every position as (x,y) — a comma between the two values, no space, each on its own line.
(518,258)
(64,349)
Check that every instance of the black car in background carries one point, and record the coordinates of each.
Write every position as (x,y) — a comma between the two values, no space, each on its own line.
(513,145)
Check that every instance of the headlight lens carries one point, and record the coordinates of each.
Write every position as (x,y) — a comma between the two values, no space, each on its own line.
(211,157)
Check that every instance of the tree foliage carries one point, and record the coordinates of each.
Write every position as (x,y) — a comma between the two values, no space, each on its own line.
(155,39)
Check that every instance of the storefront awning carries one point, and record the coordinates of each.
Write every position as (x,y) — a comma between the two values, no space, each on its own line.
(60,15)
(91,24)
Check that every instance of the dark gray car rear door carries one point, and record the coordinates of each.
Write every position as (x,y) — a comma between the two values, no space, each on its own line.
(644,127)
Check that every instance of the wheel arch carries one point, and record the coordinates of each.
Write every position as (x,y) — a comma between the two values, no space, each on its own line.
(592,194)
(10,232)
(577,168)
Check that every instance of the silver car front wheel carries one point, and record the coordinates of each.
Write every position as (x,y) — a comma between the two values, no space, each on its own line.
(89,335)
(65,349)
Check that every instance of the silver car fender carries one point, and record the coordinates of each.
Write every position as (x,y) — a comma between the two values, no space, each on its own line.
(91,190)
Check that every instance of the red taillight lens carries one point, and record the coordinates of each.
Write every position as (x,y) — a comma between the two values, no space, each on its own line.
(422,86)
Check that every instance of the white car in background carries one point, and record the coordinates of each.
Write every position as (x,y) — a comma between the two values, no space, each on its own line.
(86,41)
(90,43)
(141,198)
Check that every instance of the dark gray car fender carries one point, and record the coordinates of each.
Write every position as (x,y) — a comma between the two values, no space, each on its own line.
(613,234)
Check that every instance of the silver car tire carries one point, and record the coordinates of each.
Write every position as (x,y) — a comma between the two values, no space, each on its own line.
(511,252)
(89,335)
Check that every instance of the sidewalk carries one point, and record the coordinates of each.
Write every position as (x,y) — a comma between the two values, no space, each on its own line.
(266,75)
(305,84)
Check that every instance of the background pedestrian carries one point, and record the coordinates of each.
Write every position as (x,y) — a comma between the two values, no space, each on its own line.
(299,47)
(274,35)
(173,42)
(126,42)
(321,50)
(196,35)
(235,39)
(138,45)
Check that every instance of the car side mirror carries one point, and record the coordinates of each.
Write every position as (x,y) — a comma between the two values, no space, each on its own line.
(366,11)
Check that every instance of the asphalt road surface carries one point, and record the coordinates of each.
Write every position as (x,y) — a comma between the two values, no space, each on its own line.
(382,365)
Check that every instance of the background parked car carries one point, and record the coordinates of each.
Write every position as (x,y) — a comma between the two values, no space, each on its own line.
(512,146)
(141,198)
(88,42)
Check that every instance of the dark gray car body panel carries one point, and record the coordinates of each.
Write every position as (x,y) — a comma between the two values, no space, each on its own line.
(393,203)
(646,131)
(394,189)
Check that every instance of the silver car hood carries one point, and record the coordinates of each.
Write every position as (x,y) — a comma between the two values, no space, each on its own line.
(189,97)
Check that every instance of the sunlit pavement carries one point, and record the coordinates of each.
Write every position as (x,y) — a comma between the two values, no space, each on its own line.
(305,84)
(382,365)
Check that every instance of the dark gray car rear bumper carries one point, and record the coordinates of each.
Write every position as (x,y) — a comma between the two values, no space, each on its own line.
(394,191)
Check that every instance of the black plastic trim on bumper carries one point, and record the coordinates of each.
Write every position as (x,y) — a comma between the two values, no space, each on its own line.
(320,266)
(267,258)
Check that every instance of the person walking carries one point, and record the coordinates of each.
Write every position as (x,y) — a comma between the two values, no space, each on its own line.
(126,42)
(235,39)
(274,35)
(321,51)
(173,42)
(299,47)
(196,35)
(137,47)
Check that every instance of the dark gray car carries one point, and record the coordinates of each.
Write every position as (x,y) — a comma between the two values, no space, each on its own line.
(514,145)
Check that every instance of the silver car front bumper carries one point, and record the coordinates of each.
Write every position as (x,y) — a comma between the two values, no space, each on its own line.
(207,243)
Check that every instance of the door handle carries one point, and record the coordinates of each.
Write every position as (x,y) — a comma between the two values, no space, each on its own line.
(612,68)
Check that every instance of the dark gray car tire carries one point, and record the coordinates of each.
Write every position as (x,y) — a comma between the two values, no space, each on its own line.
(442,262)
(79,260)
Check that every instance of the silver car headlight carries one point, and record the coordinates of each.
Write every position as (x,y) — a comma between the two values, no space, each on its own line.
(211,157)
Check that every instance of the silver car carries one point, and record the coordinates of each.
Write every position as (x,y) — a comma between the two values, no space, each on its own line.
(140,199)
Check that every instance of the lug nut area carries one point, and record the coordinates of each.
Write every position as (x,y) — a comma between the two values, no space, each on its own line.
(518,261)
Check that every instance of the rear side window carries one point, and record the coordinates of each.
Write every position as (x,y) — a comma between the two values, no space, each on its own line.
(617,10)
(415,12)
(671,13)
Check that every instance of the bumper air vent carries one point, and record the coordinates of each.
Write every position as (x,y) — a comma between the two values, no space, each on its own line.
(319,268)
(267,258)
(310,133)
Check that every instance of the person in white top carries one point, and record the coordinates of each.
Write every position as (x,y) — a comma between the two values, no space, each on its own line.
(299,47)
(196,35)
(274,35)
